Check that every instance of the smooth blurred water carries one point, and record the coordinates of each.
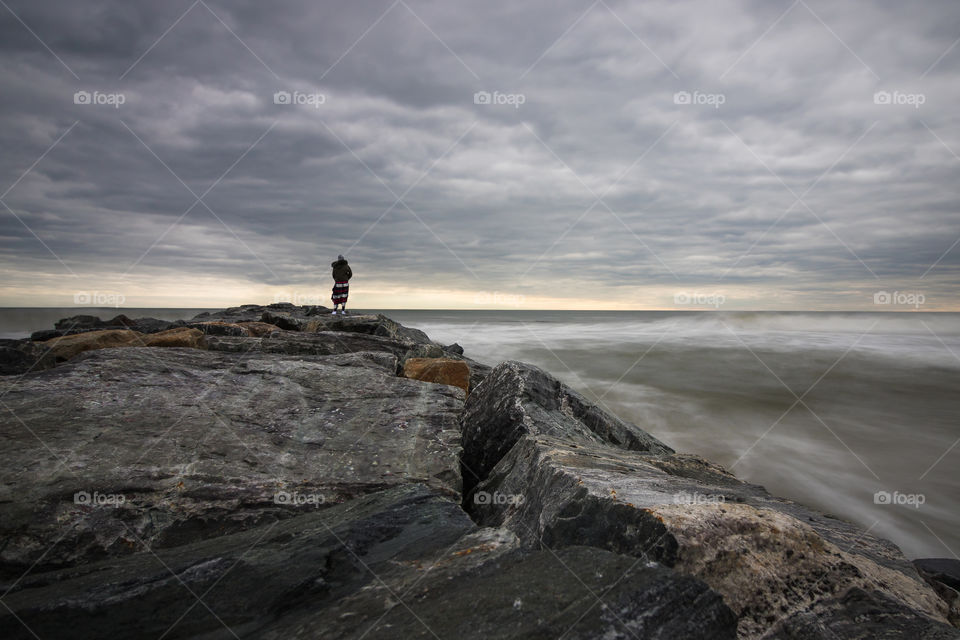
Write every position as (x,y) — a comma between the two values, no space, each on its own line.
(878,393)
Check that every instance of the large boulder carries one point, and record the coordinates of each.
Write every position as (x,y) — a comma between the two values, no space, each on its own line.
(438,370)
(517,399)
(545,473)
(201,443)
(400,563)
(179,337)
(66,347)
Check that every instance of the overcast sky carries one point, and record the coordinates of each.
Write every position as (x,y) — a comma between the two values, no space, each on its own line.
(754,154)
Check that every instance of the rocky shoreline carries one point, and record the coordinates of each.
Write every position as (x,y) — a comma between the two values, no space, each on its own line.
(278,472)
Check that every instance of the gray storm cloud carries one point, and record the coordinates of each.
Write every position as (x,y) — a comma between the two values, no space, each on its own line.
(802,147)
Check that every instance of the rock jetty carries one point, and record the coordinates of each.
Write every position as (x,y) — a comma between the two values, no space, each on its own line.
(278,472)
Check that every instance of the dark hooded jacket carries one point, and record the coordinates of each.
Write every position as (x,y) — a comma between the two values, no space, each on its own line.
(341,271)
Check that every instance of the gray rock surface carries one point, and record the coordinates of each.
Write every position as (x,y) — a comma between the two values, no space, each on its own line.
(393,564)
(200,442)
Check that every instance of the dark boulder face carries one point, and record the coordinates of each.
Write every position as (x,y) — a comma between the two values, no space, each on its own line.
(13,360)
(517,399)
(18,357)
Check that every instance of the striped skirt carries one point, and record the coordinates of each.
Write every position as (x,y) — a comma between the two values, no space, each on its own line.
(340,291)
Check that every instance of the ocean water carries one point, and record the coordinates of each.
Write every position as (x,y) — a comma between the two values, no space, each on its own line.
(856,414)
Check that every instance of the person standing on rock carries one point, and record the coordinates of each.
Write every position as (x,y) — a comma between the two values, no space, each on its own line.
(341,287)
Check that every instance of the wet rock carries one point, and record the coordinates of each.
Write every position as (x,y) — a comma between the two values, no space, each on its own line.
(454,348)
(438,370)
(199,443)
(517,399)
